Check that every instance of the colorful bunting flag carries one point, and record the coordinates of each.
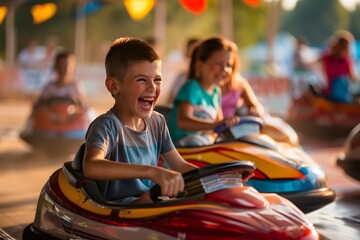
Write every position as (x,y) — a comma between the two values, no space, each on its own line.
(195,6)
(90,7)
(42,12)
(3,11)
(252,3)
(138,9)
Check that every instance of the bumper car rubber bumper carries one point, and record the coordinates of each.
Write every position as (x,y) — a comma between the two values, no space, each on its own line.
(350,167)
(310,200)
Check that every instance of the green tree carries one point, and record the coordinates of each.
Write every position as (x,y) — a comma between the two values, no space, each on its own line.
(61,24)
(316,20)
(249,23)
(355,22)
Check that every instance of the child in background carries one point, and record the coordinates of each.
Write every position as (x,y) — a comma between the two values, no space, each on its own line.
(123,145)
(197,106)
(63,86)
(338,68)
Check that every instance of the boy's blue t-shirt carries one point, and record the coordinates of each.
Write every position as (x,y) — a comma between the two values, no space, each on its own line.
(122,144)
(206,106)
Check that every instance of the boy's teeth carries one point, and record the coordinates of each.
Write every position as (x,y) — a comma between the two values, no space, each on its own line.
(148,99)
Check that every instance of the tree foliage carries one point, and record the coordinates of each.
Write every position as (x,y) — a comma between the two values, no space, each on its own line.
(355,23)
(316,20)
(249,23)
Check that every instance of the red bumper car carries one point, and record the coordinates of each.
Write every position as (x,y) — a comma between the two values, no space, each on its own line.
(215,205)
(57,126)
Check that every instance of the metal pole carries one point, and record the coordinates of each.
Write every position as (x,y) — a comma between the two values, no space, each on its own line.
(226,18)
(10,31)
(10,46)
(273,17)
(160,26)
(80,33)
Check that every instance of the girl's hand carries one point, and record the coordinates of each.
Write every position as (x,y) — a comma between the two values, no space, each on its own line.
(229,122)
(170,182)
(256,111)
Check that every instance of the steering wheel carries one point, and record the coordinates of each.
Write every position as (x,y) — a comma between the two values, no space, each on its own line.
(243,120)
(194,184)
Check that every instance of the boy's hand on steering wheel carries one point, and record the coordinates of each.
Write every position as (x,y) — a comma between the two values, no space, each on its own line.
(170,182)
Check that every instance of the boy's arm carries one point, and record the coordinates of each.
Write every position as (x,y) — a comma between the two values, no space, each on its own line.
(176,162)
(96,167)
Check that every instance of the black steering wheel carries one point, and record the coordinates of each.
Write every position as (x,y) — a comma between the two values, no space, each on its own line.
(193,184)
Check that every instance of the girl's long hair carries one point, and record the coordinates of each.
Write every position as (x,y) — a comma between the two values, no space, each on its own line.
(340,41)
(204,50)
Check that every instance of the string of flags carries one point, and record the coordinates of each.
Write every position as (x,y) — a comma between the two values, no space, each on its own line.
(137,9)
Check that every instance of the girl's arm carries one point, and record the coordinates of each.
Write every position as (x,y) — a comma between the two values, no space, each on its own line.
(188,122)
(353,74)
(250,99)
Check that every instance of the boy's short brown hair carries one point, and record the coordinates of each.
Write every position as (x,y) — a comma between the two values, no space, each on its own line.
(125,51)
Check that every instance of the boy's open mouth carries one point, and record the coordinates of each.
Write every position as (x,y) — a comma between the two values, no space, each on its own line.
(146,102)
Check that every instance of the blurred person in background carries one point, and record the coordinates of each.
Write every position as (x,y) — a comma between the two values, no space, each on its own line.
(302,74)
(63,84)
(29,63)
(35,64)
(29,56)
(299,58)
(338,68)
(49,53)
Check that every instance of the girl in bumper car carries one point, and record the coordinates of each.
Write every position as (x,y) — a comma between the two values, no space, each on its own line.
(197,106)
